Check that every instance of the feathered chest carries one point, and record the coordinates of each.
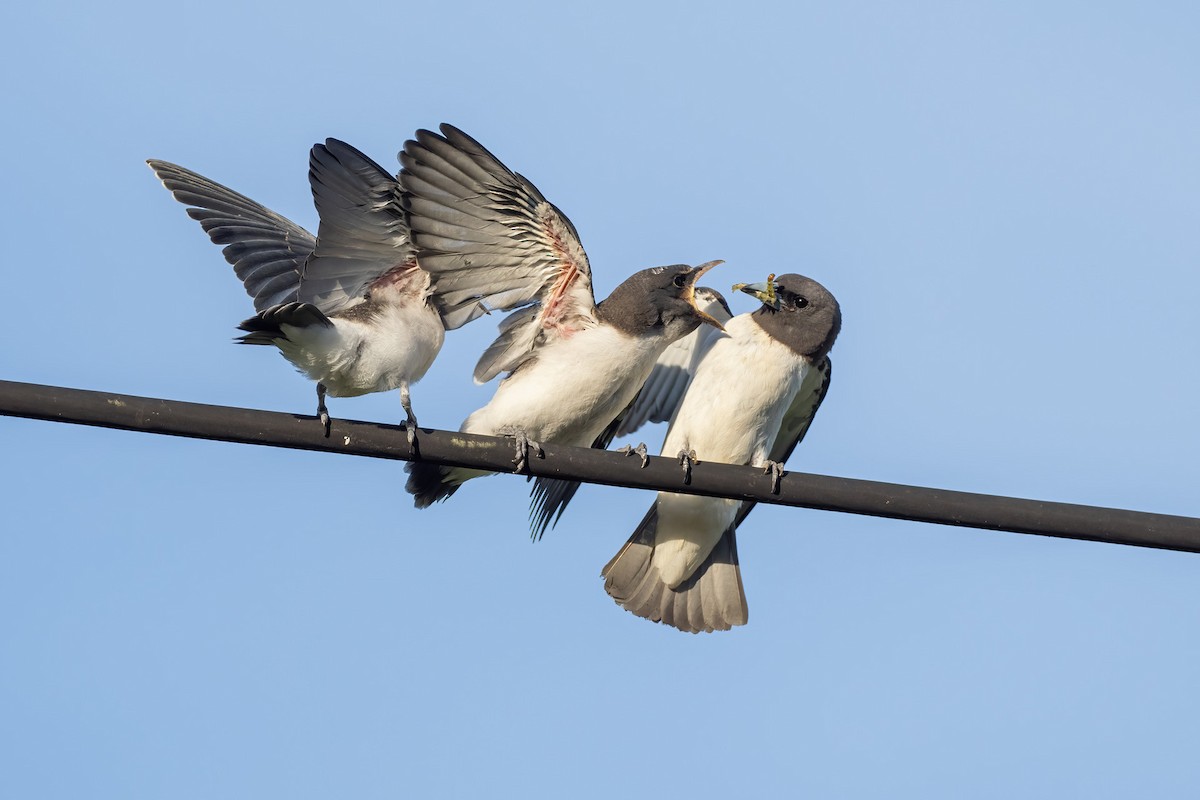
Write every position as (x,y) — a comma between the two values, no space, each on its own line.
(735,404)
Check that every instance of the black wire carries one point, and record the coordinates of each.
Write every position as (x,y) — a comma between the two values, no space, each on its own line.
(897,501)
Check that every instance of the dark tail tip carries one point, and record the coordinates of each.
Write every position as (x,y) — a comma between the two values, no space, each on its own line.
(265,324)
(426,484)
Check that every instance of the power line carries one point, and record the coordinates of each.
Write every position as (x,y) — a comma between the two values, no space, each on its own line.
(373,440)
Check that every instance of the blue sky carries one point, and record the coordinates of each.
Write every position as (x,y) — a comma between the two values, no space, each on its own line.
(1005,198)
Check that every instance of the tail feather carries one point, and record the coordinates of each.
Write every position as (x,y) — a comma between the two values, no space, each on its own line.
(264,327)
(431,483)
(712,599)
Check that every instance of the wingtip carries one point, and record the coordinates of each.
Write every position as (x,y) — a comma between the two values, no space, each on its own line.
(159,167)
(547,501)
(450,130)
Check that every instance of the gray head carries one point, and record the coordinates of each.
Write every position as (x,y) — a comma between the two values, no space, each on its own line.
(713,302)
(797,311)
(658,302)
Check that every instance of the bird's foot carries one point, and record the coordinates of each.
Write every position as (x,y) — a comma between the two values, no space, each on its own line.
(523,446)
(410,431)
(322,411)
(775,470)
(640,451)
(410,419)
(687,460)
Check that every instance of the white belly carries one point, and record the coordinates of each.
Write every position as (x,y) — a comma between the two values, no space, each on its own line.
(356,357)
(735,403)
(573,389)
(731,413)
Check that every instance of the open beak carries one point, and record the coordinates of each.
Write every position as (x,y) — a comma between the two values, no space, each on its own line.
(765,291)
(691,296)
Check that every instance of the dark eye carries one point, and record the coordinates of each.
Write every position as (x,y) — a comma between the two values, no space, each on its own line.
(680,280)
(801,302)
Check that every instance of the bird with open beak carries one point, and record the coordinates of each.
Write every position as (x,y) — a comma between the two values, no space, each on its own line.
(751,399)
(489,237)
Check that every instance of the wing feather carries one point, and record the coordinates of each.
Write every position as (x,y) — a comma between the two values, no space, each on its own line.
(267,251)
(363,233)
(660,396)
(550,496)
(796,421)
(492,240)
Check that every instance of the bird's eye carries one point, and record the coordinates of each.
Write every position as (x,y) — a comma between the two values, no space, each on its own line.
(801,302)
(680,281)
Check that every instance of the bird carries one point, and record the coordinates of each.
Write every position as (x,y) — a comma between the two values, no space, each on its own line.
(573,365)
(654,402)
(350,307)
(753,394)
(660,394)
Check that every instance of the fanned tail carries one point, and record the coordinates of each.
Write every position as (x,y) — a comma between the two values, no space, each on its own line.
(712,599)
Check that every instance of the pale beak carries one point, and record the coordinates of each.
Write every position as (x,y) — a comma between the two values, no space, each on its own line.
(691,297)
(765,291)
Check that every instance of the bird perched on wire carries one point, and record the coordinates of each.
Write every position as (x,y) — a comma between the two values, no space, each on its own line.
(350,308)
(751,399)
(659,397)
(655,402)
(488,235)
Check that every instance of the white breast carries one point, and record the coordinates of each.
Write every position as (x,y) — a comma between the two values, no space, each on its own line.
(731,413)
(735,403)
(572,390)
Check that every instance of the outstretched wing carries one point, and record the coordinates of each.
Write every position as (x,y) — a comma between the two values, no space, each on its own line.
(492,241)
(796,422)
(363,234)
(267,251)
(664,389)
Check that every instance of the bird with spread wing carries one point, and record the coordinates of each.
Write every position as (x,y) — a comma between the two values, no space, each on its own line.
(350,307)
(488,236)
